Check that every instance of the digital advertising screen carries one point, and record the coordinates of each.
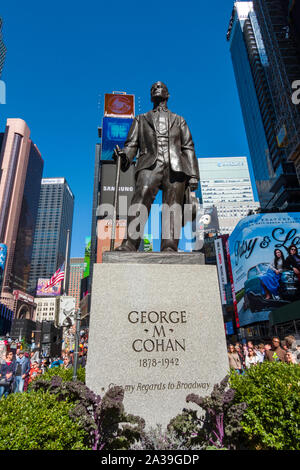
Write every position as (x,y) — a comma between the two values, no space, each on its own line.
(114,132)
(3,255)
(265,261)
(87,257)
(53,291)
(118,105)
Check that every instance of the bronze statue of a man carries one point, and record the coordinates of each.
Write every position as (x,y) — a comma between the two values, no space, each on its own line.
(166,161)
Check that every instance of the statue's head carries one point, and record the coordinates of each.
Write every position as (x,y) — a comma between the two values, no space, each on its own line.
(159,92)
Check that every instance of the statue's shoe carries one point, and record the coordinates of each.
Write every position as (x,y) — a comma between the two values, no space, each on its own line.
(169,249)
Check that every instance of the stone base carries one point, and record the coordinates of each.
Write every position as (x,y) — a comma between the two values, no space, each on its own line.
(154,257)
(157,330)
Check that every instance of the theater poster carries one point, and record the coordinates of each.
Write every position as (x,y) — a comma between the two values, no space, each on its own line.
(265,260)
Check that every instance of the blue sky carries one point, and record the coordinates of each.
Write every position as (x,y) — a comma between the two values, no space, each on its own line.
(62,57)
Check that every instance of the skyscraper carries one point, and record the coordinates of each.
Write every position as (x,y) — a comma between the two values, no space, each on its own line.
(119,111)
(20,180)
(2,48)
(226,184)
(76,274)
(225,179)
(54,219)
(282,72)
(276,179)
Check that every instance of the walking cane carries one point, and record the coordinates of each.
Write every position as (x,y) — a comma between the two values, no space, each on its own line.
(114,220)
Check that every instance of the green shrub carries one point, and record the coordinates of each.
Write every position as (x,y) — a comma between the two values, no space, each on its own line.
(37,421)
(103,419)
(272,394)
(65,374)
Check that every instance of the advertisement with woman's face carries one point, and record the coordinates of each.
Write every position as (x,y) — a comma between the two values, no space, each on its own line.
(265,259)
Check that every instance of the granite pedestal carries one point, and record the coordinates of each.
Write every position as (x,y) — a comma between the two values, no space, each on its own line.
(157,330)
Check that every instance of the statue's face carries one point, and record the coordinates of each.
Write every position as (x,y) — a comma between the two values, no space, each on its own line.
(159,91)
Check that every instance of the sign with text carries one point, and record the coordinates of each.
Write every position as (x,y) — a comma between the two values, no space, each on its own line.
(164,327)
(107,188)
(265,261)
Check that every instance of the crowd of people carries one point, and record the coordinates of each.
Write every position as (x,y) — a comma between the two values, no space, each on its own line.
(19,368)
(243,356)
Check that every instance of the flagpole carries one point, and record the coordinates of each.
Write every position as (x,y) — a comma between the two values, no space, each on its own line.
(66,262)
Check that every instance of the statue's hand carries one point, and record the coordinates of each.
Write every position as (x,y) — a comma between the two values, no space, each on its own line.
(193,184)
(120,153)
(124,159)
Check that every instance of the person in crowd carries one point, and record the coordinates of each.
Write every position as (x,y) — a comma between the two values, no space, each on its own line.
(82,358)
(234,360)
(7,371)
(3,350)
(22,369)
(276,353)
(44,365)
(238,349)
(293,260)
(251,358)
(271,279)
(58,362)
(67,363)
(35,371)
(250,345)
(268,345)
(26,380)
(283,345)
(245,349)
(71,355)
(34,356)
(260,352)
(291,344)
(289,358)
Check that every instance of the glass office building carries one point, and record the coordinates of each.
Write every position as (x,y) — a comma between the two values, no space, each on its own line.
(282,74)
(21,168)
(225,180)
(55,218)
(28,217)
(226,184)
(257,141)
(275,179)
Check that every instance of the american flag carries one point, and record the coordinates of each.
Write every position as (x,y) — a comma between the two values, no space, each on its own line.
(56,278)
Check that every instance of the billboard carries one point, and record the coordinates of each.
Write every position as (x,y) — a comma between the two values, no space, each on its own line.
(221,269)
(53,291)
(3,255)
(114,132)
(87,257)
(265,261)
(67,307)
(120,105)
(107,188)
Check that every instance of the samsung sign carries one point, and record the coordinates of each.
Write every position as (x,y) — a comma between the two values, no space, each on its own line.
(107,185)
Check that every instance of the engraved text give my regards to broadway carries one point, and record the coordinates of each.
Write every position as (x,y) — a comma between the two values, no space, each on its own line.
(159,331)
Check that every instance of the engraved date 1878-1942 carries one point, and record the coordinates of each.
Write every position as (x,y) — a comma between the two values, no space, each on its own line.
(164,362)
